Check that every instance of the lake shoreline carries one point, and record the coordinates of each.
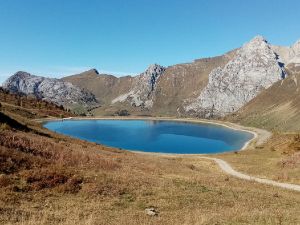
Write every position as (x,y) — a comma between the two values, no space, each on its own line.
(260,136)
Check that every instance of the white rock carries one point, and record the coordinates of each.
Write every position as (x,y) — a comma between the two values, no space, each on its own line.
(254,68)
(151,211)
(141,93)
(53,90)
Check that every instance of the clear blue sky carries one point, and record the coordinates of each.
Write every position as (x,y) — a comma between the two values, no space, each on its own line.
(59,37)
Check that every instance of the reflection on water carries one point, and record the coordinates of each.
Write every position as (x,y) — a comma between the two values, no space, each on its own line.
(154,135)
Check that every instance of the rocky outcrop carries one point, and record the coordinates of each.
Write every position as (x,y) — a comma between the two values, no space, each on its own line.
(143,87)
(49,89)
(254,68)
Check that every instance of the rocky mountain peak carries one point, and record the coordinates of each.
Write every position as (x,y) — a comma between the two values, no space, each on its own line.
(93,71)
(141,92)
(151,76)
(256,46)
(258,39)
(254,68)
(20,74)
(154,69)
(50,89)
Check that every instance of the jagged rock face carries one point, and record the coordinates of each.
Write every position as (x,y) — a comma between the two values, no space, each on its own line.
(141,92)
(53,90)
(254,68)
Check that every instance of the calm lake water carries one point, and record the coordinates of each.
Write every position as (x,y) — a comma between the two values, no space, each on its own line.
(154,136)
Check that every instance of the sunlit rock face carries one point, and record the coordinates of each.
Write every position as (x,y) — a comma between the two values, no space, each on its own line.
(254,68)
(53,90)
(141,92)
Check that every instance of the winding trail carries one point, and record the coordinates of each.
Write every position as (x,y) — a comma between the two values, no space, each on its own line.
(229,170)
(260,136)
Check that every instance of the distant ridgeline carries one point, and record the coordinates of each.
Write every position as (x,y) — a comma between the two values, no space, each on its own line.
(216,87)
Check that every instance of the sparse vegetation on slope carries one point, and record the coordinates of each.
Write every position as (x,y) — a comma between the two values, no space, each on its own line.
(48,178)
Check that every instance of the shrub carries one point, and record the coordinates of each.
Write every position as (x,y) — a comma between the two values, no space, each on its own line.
(123,112)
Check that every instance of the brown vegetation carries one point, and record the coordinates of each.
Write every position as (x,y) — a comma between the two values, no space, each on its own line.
(29,106)
(46,178)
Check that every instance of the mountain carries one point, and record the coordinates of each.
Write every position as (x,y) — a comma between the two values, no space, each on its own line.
(277,108)
(184,81)
(158,90)
(49,89)
(105,87)
(208,87)
(141,93)
(254,68)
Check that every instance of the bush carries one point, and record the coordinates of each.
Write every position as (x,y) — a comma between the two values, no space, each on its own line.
(123,112)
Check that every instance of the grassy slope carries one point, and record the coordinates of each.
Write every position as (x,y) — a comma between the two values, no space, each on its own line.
(48,178)
(278,159)
(56,179)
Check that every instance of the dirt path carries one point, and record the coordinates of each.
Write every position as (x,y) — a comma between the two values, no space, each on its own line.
(229,170)
(260,136)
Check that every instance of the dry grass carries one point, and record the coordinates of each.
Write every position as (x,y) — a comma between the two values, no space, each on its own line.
(278,159)
(66,181)
(46,178)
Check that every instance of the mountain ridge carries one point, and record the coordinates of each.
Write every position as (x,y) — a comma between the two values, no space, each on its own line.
(207,87)
(50,89)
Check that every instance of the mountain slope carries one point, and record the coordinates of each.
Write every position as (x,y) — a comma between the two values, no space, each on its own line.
(254,68)
(276,108)
(165,88)
(104,87)
(50,89)
(183,81)
(143,88)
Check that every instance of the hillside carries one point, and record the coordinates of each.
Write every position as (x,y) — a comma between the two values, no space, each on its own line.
(29,106)
(104,87)
(277,108)
(46,178)
(175,84)
(254,68)
(209,87)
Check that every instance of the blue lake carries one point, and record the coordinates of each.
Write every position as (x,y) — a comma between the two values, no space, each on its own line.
(155,136)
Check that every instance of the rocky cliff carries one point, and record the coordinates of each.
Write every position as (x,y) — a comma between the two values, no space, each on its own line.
(141,93)
(53,90)
(254,68)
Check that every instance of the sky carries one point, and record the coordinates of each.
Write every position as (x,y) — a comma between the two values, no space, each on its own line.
(62,37)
